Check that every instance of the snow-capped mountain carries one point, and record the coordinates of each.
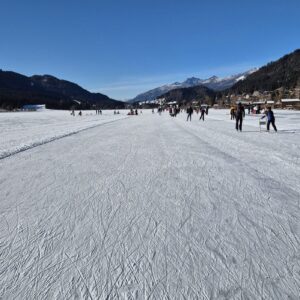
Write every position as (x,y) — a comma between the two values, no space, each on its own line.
(214,83)
(218,84)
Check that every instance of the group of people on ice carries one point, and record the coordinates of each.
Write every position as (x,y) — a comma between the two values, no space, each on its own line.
(174,111)
(133,112)
(203,112)
(236,113)
(73,113)
(239,114)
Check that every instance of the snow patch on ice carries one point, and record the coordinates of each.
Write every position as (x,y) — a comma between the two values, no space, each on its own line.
(25,130)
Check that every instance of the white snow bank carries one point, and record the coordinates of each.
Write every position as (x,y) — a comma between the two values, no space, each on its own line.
(24,130)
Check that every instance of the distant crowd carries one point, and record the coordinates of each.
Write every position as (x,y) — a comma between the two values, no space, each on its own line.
(237,113)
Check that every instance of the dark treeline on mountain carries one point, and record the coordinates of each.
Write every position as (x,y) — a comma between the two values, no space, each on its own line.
(283,73)
(17,90)
(184,95)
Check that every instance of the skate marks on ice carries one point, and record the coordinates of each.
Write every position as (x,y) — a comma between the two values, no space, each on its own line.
(266,214)
(155,214)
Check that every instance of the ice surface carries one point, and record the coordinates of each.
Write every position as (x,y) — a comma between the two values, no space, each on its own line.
(149,207)
(23,130)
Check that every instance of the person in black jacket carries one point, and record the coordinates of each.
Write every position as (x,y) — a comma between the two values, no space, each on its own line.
(240,114)
(202,113)
(189,112)
(271,119)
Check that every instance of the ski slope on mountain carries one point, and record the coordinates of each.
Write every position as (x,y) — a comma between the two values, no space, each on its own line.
(150,207)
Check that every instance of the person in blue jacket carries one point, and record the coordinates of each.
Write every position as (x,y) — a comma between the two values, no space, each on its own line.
(271,119)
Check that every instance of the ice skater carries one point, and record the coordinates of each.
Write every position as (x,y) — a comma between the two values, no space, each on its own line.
(203,110)
(189,112)
(232,113)
(240,114)
(271,119)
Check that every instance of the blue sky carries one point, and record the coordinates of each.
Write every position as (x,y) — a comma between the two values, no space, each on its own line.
(122,48)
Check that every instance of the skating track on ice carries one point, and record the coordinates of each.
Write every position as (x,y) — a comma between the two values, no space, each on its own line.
(152,207)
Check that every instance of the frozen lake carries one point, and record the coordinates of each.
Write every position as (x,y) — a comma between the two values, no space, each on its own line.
(148,207)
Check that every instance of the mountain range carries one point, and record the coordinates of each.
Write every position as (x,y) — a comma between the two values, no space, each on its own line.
(187,95)
(214,83)
(17,90)
(275,80)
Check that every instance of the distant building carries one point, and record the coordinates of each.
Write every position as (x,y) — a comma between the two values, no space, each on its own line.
(290,103)
(34,107)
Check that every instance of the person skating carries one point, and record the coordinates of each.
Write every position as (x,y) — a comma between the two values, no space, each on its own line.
(202,113)
(271,119)
(175,111)
(232,113)
(240,114)
(189,112)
